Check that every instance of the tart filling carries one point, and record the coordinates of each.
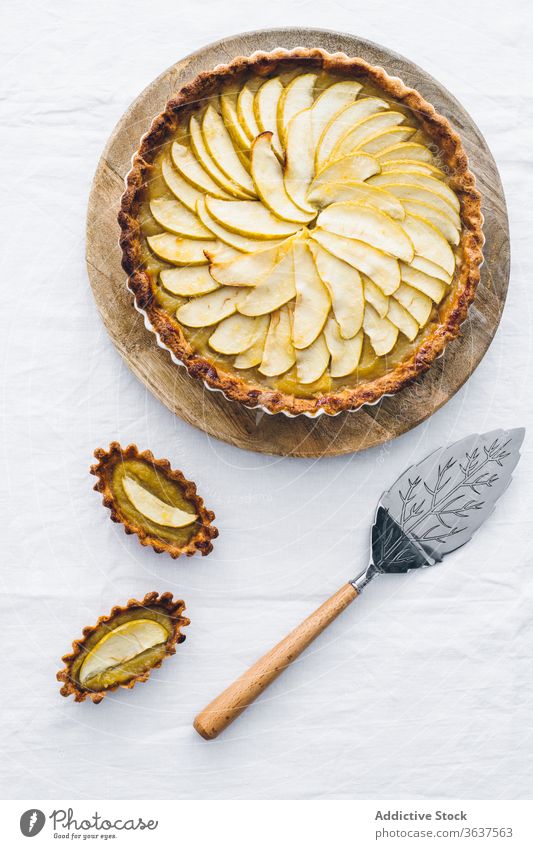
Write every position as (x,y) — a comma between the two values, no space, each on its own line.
(123,648)
(153,501)
(302,232)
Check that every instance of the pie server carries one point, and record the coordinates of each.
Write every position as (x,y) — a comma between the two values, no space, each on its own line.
(433,508)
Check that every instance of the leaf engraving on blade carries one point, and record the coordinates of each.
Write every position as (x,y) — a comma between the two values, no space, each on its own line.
(312,300)
(444,499)
(392,550)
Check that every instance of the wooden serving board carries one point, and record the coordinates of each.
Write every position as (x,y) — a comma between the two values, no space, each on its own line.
(210,411)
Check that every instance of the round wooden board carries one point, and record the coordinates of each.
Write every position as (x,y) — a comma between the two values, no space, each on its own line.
(210,411)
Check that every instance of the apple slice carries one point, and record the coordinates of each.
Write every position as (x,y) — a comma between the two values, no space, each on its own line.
(428,267)
(254,354)
(312,362)
(180,188)
(297,95)
(345,288)
(240,243)
(357,167)
(415,302)
(269,183)
(329,103)
(324,194)
(228,108)
(382,140)
(220,146)
(173,216)
(341,123)
(249,218)
(369,225)
(418,194)
(345,353)
(299,159)
(266,111)
(194,280)
(245,109)
(312,299)
(403,320)
(429,243)
(433,288)
(430,183)
(412,166)
(234,334)
(190,169)
(207,162)
(245,270)
(278,352)
(381,332)
(363,130)
(153,508)
(209,309)
(375,296)
(272,291)
(380,267)
(406,150)
(180,251)
(438,219)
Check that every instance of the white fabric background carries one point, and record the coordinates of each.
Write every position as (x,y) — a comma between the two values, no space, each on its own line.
(423,688)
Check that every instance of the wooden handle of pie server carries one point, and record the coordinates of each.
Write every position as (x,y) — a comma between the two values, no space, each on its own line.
(228,705)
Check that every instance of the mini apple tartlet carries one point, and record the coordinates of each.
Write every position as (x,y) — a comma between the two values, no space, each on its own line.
(123,647)
(153,501)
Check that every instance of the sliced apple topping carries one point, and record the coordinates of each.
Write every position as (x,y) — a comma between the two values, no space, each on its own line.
(345,353)
(176,218)
(345,289)
(312,361)
(278,353)
(188,282)
(272,291)
(302,217)
(324,194)
(367,225)
(269,183)
(150,506)
(381,332)
(297,95)
(363,130)
(210,309)
(342,122)
(220,146)
(180,251)
(208,163)
(120,645)
(312,303)
(249,218)
(266,104)
(235,334)
(380,267)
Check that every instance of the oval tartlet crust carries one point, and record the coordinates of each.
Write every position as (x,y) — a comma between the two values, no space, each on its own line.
(205,531)
(451,314)
(165,603)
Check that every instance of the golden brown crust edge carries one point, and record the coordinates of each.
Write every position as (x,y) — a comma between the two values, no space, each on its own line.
(451,315)
(174,609)
(201,541)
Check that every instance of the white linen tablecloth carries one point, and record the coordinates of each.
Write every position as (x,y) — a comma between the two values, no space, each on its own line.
(423,689)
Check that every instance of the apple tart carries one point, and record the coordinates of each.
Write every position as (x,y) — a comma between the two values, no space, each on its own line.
(123,647)
(153,501)
(301,231)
